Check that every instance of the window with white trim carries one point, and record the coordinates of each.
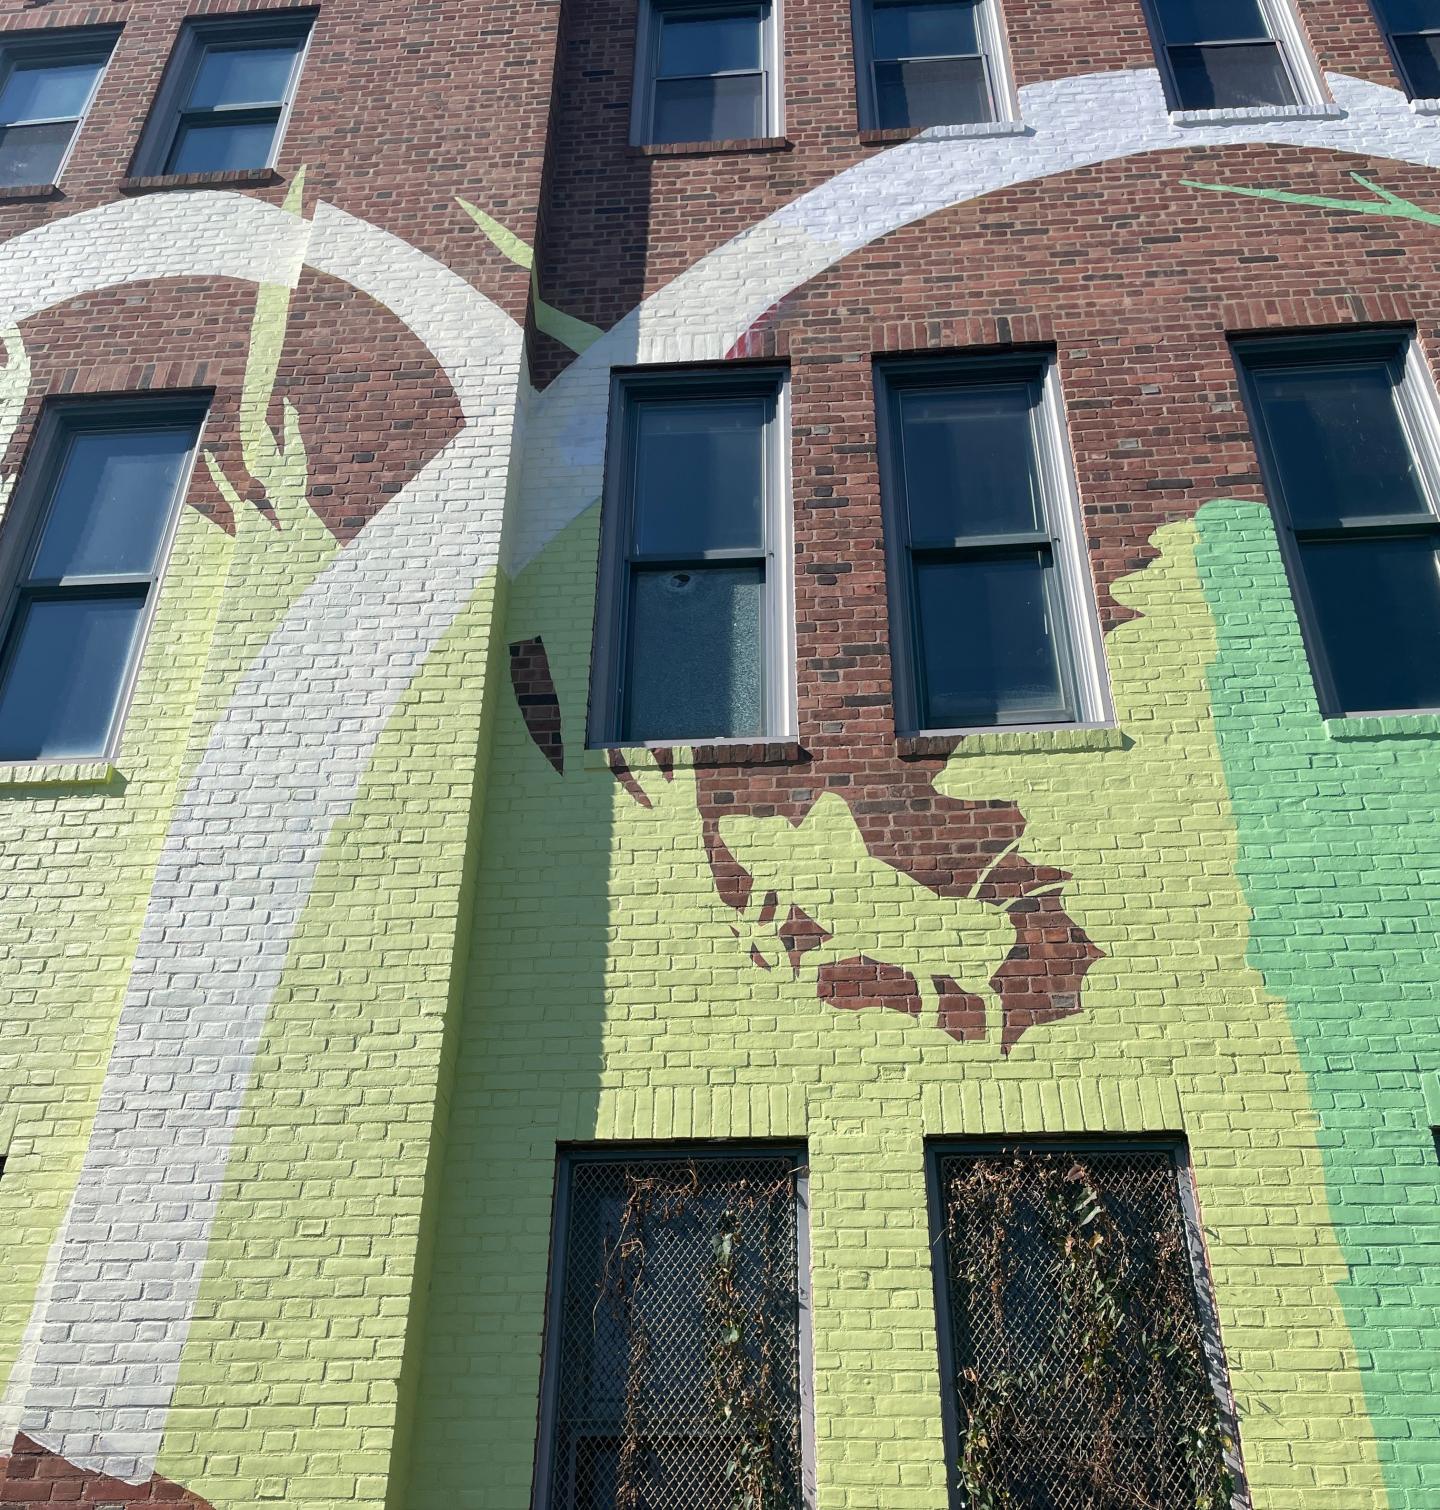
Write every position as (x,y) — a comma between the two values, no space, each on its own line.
(227,95)
(992,608)
(706,72)
(95,514)
(1412,28)
(930,63)
(1230,54)
(47,85)
(1346,425)
(677,1369)
(694,627)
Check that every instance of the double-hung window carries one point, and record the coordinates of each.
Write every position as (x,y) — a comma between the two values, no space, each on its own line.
(1079,1347)
(1413,29)
(226,96)
(705,72)
(930,62)
(1228,54)
(693,628)
(991,602)
(95,513)
(1346,427)
(677,1344)
(47,84)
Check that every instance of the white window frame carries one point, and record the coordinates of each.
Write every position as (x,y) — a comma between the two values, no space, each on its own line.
(995,54)
(25,518)
(196,39)
(87,44)
(777,647)
(1418,406)
(1390,33)
(1283,26)
(1082,650)
(647,61)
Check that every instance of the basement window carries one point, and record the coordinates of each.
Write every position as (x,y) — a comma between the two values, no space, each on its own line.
(1079,1345)
(677,1367)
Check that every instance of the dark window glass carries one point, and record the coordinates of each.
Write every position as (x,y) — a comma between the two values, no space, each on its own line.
(926,30)
(692,611)
(1377,611)
(1351,492)
(79,604)
(928,64)
(1221,54)
(244,76)
(695,660)
(1211,20)
(1420,62)
(219,146)
(729,108)
(1079,1339)
(42,99)
(665,1387)
(710,80)
(1228,78)
(1338,443)
(989,637)
(1410,15)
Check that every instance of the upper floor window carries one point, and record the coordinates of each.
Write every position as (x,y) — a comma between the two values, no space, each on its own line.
(705,72)
(226,96)
(1347,428)
(1226,54)
(930,62)
(47,83)
(1413,27)
(1079,1346)
(693,629)
(991,602)
(84,546)
(676,1343)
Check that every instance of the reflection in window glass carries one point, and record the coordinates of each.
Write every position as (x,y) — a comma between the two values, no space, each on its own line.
(691,536)
(103,515)
(708,74)
(980,562)
(43,97)
(1222,55)
(928,63)
(1353,493)
(244,76)
(1414,30)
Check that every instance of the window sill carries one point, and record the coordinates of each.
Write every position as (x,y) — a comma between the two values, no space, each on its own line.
(712,149)
(1425,107)
(1385,726)
(1069,739)
(238,178)
(1244,115)
(67,773)
(19,193)
(960,131)
(720,752)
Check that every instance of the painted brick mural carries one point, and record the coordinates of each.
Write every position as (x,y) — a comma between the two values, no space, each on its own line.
(311,975)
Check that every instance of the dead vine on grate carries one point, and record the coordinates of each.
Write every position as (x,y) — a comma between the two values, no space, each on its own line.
(1126,1346)
(741,1333)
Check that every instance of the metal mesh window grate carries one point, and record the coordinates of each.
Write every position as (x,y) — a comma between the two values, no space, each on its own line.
(675,1376)
(1081,1375)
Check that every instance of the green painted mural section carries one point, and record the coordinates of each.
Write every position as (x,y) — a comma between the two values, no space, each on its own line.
(615,995)
(1339,846)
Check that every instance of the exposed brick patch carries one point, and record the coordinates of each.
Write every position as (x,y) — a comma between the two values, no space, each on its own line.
(535,693)
(33,1475)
